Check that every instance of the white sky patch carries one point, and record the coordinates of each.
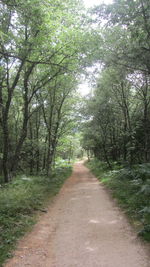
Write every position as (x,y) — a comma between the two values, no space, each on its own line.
(87,83)
(91,3)
(84,89)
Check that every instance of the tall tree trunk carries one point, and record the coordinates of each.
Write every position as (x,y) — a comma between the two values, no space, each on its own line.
(44,155)
(146,101)
(37,140)
(106,157)
(5,151)
(5,114)
(26,117)
(48,155)
(31,149)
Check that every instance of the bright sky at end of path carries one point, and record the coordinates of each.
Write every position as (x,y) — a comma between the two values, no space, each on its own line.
(90,3)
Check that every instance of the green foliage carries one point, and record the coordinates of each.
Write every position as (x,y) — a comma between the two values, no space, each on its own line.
(119,110)
(97,167)
(131,186)
(43,43)
(62,163)
(69,147)
(18,202)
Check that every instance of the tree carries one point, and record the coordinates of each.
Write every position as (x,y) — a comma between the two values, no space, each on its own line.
(43,51)
(122,89)
(126,35)
(114,119)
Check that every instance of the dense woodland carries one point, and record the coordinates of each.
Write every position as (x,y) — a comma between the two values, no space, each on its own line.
(43,50)
(47,47)
(119,109)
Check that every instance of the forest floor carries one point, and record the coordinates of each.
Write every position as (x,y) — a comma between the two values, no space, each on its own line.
(83,227)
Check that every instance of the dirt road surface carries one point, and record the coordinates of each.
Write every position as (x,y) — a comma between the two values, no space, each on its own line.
(82,228)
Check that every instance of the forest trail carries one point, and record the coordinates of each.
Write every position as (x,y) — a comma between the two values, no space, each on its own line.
(82,228)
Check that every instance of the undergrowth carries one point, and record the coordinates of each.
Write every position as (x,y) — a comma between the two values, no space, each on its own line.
(18,202)
(131,186)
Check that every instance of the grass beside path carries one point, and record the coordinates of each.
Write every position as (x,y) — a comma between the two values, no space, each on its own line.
(19,202)
(131,187)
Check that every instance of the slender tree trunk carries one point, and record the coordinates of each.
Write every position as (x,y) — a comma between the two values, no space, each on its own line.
(26,116)
(31,149)
(145,119)
(125,142)
(48,155)
(37,123)
(5,152)
(23,135)
(106,157)
(44,155)
(5,113)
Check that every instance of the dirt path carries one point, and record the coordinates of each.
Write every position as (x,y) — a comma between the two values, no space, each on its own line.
(82,228)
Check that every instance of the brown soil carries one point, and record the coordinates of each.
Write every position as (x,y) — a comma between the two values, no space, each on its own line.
(82,228)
